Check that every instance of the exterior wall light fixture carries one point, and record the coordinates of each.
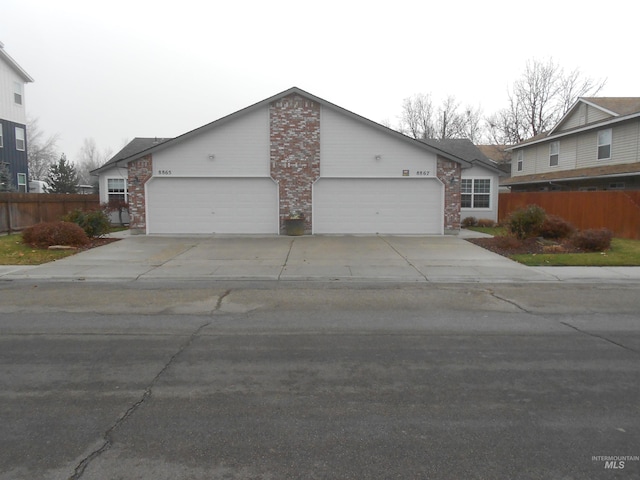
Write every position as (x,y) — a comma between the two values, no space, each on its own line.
(378,157)
(211,156)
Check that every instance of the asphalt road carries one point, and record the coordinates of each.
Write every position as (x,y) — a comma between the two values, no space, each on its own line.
(318,381)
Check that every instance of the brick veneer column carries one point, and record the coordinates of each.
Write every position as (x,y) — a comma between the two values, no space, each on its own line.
(449,173)
(139,171)
(295,153)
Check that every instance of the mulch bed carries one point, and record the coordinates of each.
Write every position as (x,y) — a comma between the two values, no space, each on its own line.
(507,246)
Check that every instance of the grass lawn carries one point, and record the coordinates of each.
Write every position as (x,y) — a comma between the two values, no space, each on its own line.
(623,253)
(14,252)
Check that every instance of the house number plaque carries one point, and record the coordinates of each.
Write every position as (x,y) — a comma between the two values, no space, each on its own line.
(419,173)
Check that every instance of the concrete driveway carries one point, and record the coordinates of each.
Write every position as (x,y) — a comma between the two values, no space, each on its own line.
(361,258)
(440,259)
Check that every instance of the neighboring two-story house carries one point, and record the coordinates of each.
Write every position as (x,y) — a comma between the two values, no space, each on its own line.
(595,146)
(13,119)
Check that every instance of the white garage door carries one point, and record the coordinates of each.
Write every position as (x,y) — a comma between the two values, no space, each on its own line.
(385,205)
(212,205)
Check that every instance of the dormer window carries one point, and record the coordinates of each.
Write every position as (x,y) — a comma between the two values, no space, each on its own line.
(17,93)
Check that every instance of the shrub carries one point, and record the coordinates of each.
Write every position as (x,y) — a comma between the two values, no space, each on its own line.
(592,240)
(469,222)
(486,223)
(54,233)
(526,222)
(556,227)
(95,223)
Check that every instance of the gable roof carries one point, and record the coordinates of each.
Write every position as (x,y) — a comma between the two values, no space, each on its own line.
(294,90)
(620,109)
(618,106)
(14,65)
(465,149)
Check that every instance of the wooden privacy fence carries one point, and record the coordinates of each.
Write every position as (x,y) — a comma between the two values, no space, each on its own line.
(21,210)
(619,211)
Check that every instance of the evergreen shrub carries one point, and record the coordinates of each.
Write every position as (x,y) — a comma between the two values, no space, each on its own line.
(526,222)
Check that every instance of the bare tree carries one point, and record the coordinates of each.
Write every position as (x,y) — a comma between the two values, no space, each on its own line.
(454,122)
(573,86)
(538,99)
(89,158)
(420,119)
(41,152)
(447,122)
(416,119)
(474,124)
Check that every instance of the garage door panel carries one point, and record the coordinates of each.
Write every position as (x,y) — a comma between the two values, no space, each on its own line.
(386,206)
(212,205)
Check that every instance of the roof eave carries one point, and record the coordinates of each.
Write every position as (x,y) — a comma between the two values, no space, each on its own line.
(13,64)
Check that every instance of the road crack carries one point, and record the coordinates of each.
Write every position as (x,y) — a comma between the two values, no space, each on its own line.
(601,337)
(219,303)
(107,437)
(509,301)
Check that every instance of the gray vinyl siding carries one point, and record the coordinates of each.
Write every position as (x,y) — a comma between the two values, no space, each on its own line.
(349,149)
(581,150)
(238,148)
(583,115)
(587,149)
(9,110)
(625,146)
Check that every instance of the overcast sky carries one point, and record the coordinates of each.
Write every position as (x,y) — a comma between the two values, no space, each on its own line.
(114,70)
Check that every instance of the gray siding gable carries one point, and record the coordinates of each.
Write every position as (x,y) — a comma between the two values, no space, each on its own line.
(583,114)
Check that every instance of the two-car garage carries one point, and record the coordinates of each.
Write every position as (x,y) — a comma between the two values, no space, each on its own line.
(250,206)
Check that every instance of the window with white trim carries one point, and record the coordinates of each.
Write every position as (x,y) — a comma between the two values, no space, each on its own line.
(22,182)
(17,93)
(554,153)
(475,193)
(20,143)
(520,158)
(116,190)
(604,144)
